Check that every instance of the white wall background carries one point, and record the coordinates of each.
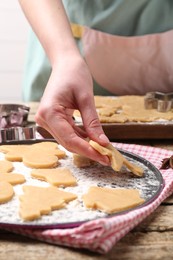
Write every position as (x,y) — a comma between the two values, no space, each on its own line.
(13,38)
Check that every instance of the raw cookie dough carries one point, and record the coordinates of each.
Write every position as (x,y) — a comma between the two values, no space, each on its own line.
(116,158)
(6,166)
(12,178)
(40,159)
(12,147)
(57,177)
(81,161)
(6,192)
(49,147)
(29,154)
(111,200)
(14,153)
(37,201)
(129,108)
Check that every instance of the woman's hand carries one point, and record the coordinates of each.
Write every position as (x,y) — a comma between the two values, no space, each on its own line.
(70,84)
(70,87)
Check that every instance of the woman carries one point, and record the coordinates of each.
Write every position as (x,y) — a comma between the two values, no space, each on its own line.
(128,52)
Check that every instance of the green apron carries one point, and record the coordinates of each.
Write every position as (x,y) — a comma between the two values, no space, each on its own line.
(116,17)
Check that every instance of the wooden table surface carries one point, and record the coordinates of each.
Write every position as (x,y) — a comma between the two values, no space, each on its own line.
(152,239)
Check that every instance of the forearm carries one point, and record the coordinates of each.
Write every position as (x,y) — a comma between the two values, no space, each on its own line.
(49,21)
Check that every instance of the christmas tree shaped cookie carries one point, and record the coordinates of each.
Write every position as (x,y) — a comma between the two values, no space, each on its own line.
(37,201)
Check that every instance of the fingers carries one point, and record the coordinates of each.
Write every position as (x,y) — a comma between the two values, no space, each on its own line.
(70,138)
(92,124)
(78,130)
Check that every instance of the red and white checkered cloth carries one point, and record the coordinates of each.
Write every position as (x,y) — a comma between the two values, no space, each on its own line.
(102,234)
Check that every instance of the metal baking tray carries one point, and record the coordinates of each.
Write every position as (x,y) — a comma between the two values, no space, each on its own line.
(75,213)
(130,131)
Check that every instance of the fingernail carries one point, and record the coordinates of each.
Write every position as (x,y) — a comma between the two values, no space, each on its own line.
(104,138)
(103,163)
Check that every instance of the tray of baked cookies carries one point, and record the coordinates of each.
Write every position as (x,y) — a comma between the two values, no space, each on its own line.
(43,185)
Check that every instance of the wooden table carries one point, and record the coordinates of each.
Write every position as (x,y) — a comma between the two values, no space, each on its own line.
(152,239)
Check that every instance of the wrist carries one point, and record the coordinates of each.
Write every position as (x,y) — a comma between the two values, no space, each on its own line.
(66,57)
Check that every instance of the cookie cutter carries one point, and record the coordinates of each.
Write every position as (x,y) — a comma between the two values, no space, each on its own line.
(158,100)
(13,123)
(13,115)
(17,134)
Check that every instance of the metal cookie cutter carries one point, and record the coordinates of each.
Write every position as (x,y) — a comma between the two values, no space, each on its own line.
(13,123)
(13,115)
(17,134)
(158,100)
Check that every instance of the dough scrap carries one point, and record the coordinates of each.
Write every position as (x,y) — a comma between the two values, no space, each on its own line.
(111,200)
(37,201)
(6,166)
(57,177)
(116,158)
(12,178)
(6,192)
(81,161)
(60,154)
